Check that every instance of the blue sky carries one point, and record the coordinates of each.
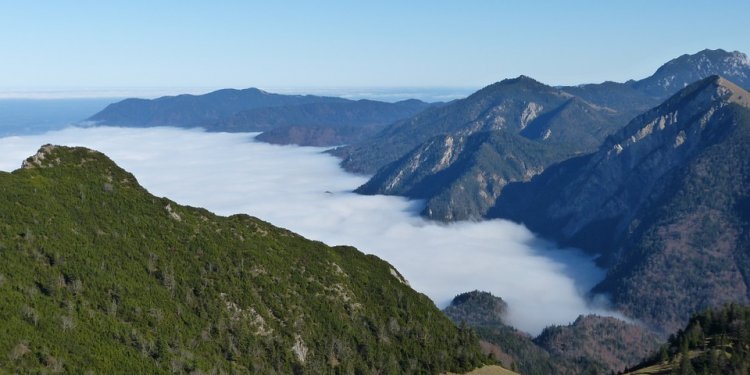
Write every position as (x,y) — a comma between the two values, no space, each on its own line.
(315,44)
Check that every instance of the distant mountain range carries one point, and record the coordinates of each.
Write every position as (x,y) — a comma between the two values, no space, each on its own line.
(521,105)
(662,199)
(665,201)
(98,275)
(426,156)
(458,157)
(287,119)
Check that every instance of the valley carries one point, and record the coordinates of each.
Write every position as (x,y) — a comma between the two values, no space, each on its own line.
(564,229)
(229,173)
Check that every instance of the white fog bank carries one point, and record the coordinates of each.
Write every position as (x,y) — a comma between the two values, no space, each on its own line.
(301,189)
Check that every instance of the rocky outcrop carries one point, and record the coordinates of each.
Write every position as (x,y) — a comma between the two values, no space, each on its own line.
(39,160)
(460,177)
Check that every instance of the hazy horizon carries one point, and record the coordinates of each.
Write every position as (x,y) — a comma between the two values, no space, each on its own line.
(381,93)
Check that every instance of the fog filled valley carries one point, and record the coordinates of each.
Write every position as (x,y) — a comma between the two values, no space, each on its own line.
(304,190)
(355,188)
(653,200)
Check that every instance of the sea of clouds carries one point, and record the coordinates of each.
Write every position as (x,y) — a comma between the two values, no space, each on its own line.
(303,189)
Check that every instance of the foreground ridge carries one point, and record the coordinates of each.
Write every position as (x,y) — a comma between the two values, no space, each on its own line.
(98,275)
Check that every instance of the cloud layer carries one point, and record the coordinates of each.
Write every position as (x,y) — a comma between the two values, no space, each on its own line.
(301,189)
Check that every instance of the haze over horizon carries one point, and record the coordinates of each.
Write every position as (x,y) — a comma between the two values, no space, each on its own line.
(302,46)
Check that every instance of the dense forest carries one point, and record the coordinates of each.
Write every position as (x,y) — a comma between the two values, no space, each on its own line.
(716,341)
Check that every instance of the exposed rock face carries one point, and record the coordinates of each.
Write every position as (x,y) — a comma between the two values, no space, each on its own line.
(530,113)
(299,349)
(659,202)
(460,177)
(174,215)
(39,160)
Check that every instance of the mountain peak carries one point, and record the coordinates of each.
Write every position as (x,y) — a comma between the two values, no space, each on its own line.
(521,79)
(708,57)
(731,92)
(716,88)
(50,156)
(521,82)
(732,56)
(53,155)
(256,90)
(683,70)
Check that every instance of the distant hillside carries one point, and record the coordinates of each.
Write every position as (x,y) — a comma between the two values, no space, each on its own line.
(622,97)
(320,124)
(485,313)
(521,105)
(97,275)
(287,119)
(592,344)
(664,201)
(197,110)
